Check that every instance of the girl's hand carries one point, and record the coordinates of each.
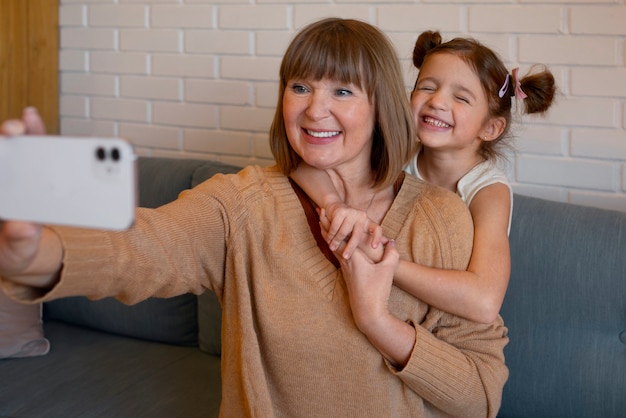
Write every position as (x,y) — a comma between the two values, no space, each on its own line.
(351,225)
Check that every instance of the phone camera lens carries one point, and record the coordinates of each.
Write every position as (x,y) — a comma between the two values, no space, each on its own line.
(101,154)
(115,154)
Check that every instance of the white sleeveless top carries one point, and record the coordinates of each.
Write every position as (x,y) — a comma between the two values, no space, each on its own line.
(482,175)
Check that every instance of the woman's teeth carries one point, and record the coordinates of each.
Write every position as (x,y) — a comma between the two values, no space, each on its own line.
(325,134)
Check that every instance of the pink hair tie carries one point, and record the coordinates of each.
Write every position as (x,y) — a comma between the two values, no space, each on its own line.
(519,93)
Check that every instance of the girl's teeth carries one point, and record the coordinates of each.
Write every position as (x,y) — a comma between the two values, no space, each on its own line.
(436,122)
(325,134)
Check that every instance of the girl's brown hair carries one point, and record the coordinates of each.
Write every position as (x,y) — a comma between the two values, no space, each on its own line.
(353,52)
(538,84)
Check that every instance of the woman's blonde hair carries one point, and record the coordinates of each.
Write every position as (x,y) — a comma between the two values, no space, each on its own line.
(353,52)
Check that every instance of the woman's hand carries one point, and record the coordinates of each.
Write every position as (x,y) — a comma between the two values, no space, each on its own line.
(29,253)
(369,286)
(30,124)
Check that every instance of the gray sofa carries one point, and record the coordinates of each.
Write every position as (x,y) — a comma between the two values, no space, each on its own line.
(565,310)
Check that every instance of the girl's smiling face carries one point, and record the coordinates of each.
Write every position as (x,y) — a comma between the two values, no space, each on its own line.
(329,123)
(449,104)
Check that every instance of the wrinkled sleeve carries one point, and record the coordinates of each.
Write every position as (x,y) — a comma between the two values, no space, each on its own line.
(458,365)
(177,248)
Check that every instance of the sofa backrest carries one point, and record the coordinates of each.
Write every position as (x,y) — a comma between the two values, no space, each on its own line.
(173,320)
(565,309)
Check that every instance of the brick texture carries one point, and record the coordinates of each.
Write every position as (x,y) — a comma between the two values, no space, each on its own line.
(198,78)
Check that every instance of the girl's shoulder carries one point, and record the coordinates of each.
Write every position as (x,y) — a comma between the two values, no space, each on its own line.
(482,175)
(480,178)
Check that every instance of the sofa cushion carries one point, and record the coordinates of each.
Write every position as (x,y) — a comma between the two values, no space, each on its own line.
(565,309)
(209,169)
(209,309)
(92,374)
(172,320)
(21,331)
(162,179)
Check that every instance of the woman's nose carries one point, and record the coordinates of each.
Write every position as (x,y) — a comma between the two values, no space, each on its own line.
(318,106)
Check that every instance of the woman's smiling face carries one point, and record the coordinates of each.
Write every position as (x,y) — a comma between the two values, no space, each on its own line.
(329,123)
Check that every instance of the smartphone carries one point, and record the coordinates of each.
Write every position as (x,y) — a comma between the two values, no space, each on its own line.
(74,181)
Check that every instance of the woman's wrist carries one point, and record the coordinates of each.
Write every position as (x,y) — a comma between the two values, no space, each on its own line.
(45,268)
(391,336)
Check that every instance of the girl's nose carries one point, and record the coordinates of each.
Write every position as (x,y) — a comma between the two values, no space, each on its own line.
(437,100)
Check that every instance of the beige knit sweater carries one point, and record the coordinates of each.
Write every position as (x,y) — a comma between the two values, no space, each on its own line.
(290,345)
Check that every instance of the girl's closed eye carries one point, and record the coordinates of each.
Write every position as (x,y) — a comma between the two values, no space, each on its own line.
(426,86)
(465,95)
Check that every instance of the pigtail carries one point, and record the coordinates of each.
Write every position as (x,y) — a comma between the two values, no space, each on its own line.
(540,88)
(532,93)
(424,43)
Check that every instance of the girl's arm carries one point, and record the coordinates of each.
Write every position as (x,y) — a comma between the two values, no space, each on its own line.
(345,222)
(478,292)
(317,185)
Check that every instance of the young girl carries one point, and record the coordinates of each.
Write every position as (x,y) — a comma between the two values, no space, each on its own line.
(462,103)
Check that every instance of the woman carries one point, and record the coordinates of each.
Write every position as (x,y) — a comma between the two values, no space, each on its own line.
(301,337)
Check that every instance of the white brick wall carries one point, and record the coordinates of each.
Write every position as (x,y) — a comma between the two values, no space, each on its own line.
(197,78)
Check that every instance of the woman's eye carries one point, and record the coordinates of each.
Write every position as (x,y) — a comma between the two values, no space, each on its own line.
(343,92)
(298,88)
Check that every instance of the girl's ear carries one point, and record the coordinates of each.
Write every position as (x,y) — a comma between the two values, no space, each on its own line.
(493,129)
